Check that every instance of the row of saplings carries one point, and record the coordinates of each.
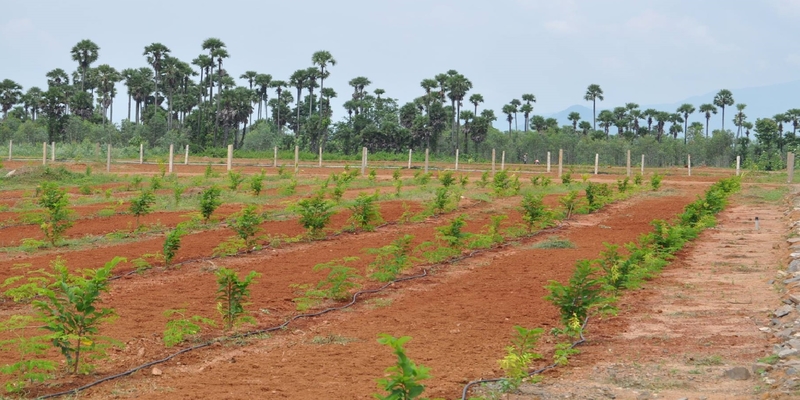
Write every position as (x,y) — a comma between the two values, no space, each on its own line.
(66,306)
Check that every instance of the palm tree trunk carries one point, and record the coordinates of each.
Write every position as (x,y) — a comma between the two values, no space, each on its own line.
(594,115)
(297,124)
(219,103)
(723,118)
(129,106)
(169,110)
(707,118)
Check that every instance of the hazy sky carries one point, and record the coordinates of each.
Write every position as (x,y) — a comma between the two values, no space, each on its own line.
(637,50)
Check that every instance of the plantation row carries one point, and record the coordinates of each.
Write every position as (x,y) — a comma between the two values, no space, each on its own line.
(314,214)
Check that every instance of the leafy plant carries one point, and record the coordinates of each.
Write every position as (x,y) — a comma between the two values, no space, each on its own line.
(335,286)
(581,296)
(637,179)
(315,213)
(422,178)
(441,200)
(597,194)
(257,183)
(235,179)
(520,355)
(569,202)
(142,205)
(501,183)
(55,203)
(209,172)
(623,184)
(290,188)
(446,178)
(155,183)
(566,178)
(484,180)
(391,259)
(554,242)
(246,224)
(655,181)
(365,213)
(404,377)
(172,242)
(179,326)
(136,182)
(85,190)
(177,193)
(372,176)
(232,294)
(463,180)
(396,175)
(452,233)
(209,202)
(533,210)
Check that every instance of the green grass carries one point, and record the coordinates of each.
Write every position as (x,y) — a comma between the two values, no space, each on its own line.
(760,194)
(554,242)
(332,339)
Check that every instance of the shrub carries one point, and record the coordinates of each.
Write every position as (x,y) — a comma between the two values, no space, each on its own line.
(484,180)
(209,202)
(391,259)
(246,224)
(365,212)
(622,184)
(55,203)
(452,233)
(142,205)
(177,192)
(335,286)
(372,176)
(583,295)
(232,294)
(597,194)
(637,179)
(315,213)
(441,200)
(446,178)
(257,183)
(404,377)
(501,183)
(533,210)
(569,202)
(655,181)
(566,178)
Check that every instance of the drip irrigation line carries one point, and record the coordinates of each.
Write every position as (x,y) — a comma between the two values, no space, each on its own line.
(532,373)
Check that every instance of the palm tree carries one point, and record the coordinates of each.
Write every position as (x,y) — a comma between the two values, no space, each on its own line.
(584,126)
(722,99)
(327,94)
(661,117)
(459,85)
(780,119)
(263,82)
(574,117)
(475,99)
(594,93)
(57,77)
(155,52)
(620,118)
(107,77)
(219,53)
(10,93)
(278,85)
(739,119)
(794,118)
(649,114)
(685,109)
(323,59)
(676,119)
(84,53)
(708,109)
(298,80)
(528,99)
(213,45)
(311,83)
(606,119)
(33,101)
(509,111)
(515,103)
(250,76)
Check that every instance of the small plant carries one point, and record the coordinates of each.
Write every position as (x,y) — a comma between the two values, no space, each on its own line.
(172,242)
(452,234)
(142,205)
(533,210)
(441,200)
(447,179)
(283,173)
(335,286)
(232,294)
(520,355)
(396,175)
(290,188)
(372,176)
(569,202)
(554,242)
(85,190)
(365,213)
(391,259)
(546,180)
(155,183)
(597,194)
(422,178)
(257,183)
(583,295)
(179,326)
(234,180)
(566,178)
(177,193)
(209,202)
(623,184)
(136,182)
(246,224)
(501,183)
(585,178)
(55,202)
(484,180)
(637,179)
(655,181)
(463,180)
(162,168)
(398,187)
(87,172)
(315,213)
(404,377)
(209,172)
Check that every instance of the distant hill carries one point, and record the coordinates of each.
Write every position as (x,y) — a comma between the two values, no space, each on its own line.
(763,101)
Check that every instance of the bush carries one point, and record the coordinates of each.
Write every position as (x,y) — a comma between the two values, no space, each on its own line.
(365,213)
(142,205)
(234,180)
(55,203)
(209,202)
(315,213)
(172,242)
(391,259)
(246,224)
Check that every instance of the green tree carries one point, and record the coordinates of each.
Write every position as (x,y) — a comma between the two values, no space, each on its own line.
(84,53)
(155,53)
(404,377)
(55,202)
(475,99)
(708,109)
(232,295)
(723,98)
(594,93)
(10,93)
(685,109)
(574,117)
(323,60)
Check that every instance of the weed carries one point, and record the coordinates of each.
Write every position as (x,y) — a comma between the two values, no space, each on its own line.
(554,242)
(332,339)
(179,326)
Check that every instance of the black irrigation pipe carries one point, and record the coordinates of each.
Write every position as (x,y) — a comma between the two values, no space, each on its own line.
(532,373)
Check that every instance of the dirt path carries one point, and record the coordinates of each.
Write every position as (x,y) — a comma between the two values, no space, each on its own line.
(676,337)
(460,318)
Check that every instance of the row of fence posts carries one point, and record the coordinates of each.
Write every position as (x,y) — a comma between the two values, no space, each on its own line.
(365,153)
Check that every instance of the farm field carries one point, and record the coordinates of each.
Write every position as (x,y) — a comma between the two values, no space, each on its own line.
(469,288)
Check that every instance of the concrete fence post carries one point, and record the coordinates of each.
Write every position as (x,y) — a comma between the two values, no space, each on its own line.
(409,158)
(171,156)
(230,157)
(456,160)
(53,151)
(790,167)
(363,161)
(44,153)
(503,161)
(689,163)
(628,165)
(596,162)
(642,171)
(186,156)
(275,157)
(10,146)
(493,162)
(560,162)
(141,153)
(548,162)
(320,156)
(296,159)
(738,163)
(427,155)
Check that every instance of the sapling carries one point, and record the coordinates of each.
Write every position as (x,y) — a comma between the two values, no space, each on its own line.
(391,259)
(172,242)
(533,210)
(372,176)
(501,183)
(569,201)
(365,213)
(655,181)
(257,183)
(179,326)
(232,295)
(315,213)
(142,205)
(520,355)
(404,377)
(246,224)
(484,180)
(234,180)
(452,234)
(447,179)
(209,201)
(177,192)
(55,203)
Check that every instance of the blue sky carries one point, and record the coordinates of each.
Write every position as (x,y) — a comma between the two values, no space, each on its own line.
(649,52)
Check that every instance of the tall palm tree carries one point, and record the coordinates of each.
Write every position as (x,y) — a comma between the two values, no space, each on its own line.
(780,119)
(620,118)
(84,53)
(574,117)
(263,82)
(220,54)
(213,45)
(155,52)
(594,93)
(708,109)
(311,83)
(676,119)
(528,99)
(606,119)
(526,110)
(475,99)
(327,94)
(250,76)
(459,85)
(794,118)
(107,77)
(685,109)
(515,103)
(323,59)
(509,111)
(10,93)
(723,98)
(739,119)
(33,101)
(278,85)
(298,80)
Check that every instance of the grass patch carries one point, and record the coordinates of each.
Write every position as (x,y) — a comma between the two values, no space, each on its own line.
(332,339)
(554,242)
(707,361)
(759,194)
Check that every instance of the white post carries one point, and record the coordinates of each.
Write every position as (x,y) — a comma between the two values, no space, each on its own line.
(320,156)
(493,162)
(738,162)
(456,160)
(275,157)
(363,161)
(790,166)
(628,170)
(427,154)
(409,158)
(548,162)
(296,159)
(230,157)
(53,152)
(186,156)
(596,162)
(10,146)
(108,159)
(44,153)
(560,162)
(689,163)
(171,156)
(642,172)
(503,161)
(141,153)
